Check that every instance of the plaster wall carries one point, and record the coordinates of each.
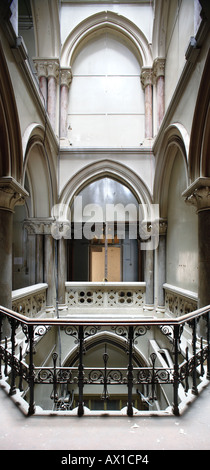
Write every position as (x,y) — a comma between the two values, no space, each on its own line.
(185,108)
(141,162)
(180,28)
(106,100)
(182,234)
(71,15)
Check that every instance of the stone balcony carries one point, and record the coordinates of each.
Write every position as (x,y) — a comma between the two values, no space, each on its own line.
(105,298)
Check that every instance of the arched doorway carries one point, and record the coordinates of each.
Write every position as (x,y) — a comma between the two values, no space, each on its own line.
(107,247)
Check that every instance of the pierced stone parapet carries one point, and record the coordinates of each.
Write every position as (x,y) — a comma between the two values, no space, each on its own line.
(106,295)
(179,302)
(30,301)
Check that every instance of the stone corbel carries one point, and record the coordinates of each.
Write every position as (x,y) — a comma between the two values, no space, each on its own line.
(198,194)
(11,194)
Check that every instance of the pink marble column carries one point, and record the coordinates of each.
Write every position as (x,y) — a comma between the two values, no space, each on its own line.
(43,88)
(159,74)
(147,83)
(41,69)
(65,78)
(52,72)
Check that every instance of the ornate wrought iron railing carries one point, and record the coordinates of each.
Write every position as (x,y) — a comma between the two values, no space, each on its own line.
(186,367)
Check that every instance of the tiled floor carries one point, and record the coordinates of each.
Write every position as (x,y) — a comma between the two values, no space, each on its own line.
(191,431)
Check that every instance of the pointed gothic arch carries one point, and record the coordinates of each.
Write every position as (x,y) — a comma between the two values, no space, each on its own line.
(11,161)
(200,134)
(175,139)
(103,168)
(102,21)
(40,171)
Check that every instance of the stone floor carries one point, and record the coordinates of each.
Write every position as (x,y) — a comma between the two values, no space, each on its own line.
(190,431)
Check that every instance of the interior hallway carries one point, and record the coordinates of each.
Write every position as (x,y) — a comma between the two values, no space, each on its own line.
(191,431)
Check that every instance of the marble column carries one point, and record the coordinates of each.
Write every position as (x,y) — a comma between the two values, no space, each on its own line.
(147,84)
(52,73)
(11,194)
(159,75)
(65,81)
(41,69)
(198,194)
(162,263)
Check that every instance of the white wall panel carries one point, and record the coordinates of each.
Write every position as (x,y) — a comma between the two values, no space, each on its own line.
(106,100)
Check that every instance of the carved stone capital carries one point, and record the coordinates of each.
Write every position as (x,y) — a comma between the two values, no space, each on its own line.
(41,67)
(38,226)
(11,194)
(163,226)
(146,76)
(52,68)
(198,194)
(66,76)
(159,67)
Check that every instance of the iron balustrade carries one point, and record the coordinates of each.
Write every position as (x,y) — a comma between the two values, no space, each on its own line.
(132,376)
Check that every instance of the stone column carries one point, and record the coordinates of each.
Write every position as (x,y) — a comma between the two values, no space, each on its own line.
(147,84)
(49,265)
(159,75)
(41,68)
(149,278)
(198,194)
(11,194)
(65,81)
(42,258)
(35,232)
(62,270)
(52,73)
(162,263)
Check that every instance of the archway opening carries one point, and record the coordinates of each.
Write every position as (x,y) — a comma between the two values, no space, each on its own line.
(105,241)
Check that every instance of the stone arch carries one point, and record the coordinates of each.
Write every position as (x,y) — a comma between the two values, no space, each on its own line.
(200,134)
(11,162)
(99,170)
(108,337)
(101,21)
(175,139)
(39,168)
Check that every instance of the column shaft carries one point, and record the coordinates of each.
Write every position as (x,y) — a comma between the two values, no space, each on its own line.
(148,112)
(6,221)
(160,100)
(49,269)
(51,103)
(61,270)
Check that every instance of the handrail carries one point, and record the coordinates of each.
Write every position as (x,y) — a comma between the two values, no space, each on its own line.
(151,375)
(105,321)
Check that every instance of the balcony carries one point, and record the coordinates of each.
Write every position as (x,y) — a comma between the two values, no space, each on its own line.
(103,352)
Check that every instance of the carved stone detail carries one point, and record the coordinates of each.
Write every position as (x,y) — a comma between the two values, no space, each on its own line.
(66,76)
(146,76)
(11,194)
(159,67)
